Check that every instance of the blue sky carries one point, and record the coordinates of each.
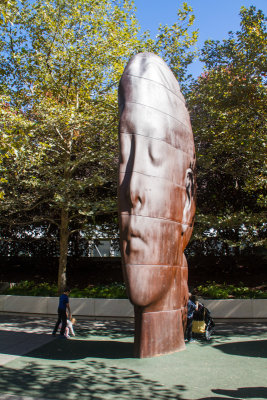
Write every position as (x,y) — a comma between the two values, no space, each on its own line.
(214,18)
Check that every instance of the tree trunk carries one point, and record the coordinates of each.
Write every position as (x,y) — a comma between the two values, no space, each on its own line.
(64,239)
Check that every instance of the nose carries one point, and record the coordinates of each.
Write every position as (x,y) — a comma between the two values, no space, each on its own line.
(136,191)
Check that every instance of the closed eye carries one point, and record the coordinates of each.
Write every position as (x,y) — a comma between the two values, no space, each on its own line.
(155,155)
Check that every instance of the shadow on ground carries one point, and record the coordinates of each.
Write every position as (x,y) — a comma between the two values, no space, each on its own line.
(239,328)
(76,349)
(94,380)
(251,348)
(84,327)
(112,329)
(226,332)
(79,368)
(243,393)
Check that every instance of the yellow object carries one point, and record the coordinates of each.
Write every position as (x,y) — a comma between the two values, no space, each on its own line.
(198,327)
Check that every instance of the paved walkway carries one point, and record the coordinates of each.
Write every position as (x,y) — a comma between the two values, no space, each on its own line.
(98,363)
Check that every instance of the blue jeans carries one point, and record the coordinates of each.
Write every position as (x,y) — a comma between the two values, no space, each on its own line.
(188,332)
(62,317)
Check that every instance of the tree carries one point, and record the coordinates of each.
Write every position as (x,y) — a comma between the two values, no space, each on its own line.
(61,63)
(7,9)
(228,111)
(174,43)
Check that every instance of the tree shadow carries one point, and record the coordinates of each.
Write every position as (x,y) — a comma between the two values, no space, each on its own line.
(241,328)
(251,348)
(84,328)
(112,329)
(76,349)
(228,331)
(93,380)
(44,346)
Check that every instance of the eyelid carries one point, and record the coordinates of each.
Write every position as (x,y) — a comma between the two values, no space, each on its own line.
(154,155)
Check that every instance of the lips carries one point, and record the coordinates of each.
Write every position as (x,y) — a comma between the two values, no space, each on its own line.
(134,233)
(131,228)
(135,239)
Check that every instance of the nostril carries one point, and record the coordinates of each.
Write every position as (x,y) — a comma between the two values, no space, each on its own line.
(136,199)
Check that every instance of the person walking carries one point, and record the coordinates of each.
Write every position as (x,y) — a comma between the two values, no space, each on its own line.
(63,306)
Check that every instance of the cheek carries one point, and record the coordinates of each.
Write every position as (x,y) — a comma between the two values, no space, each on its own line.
(163,199)
(160,198)
(158,243)
(146,283)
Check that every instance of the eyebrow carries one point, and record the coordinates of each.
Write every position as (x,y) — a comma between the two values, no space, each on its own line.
(164,127)
(158,139)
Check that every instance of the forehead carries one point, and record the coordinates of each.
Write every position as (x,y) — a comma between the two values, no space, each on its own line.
(152,105)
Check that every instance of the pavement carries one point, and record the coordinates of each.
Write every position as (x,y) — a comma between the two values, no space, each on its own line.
(98,363)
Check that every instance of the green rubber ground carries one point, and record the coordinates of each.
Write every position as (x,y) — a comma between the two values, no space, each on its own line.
(98,364)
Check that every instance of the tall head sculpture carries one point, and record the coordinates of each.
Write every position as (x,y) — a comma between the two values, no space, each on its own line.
(156,201)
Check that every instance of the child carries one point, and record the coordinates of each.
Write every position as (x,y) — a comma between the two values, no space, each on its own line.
(69,327)
(192,305)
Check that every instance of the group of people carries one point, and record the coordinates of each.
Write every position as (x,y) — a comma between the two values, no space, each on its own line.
(65,320)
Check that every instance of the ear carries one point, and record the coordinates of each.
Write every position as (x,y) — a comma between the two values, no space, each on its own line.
(189,206)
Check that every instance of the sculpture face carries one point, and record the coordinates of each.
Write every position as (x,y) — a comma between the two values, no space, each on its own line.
(156,183)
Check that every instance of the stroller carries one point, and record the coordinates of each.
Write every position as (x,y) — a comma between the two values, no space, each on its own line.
(203,324)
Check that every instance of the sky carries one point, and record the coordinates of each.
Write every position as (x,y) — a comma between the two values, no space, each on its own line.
(214,18)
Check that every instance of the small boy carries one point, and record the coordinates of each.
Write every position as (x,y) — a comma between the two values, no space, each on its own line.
(63,306)
(69,327)
(192,306)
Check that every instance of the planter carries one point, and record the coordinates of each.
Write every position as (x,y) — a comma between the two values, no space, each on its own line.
(122,308)
(237,308)
(82,307)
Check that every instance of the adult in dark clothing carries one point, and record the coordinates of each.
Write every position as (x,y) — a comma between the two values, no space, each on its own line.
(192,305)
(63,306)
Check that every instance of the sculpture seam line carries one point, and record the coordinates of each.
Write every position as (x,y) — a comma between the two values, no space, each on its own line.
(158,83)
(156,109)
(159,139)
(164,311)
(152,176)
(154,265)
(160,218)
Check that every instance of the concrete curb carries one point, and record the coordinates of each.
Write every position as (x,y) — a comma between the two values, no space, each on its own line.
(237,308)
(79,306)
(122,308)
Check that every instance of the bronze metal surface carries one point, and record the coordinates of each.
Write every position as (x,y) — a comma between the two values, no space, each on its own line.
(156,201)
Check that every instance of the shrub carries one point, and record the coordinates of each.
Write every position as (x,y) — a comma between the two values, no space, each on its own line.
(222,291)
(29,288)
(113,291)
(211,290)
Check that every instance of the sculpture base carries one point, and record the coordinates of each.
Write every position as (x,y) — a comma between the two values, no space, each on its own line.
(158,333)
